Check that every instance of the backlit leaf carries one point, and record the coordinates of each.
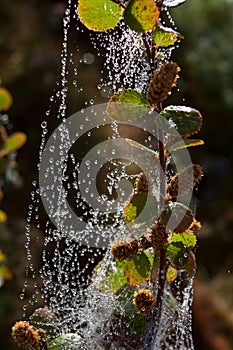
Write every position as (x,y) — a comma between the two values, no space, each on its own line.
(171,274)
(127,105)
(3,216)
(5,273)
(187,239)
(186,120)
(2,256)
(137,270)
(99,15)
(177,217)
(114,278)
(141,15)
(185,143)
(5,99)
(178,250)
(141,147)
(133,208)
(164,36)
(15,141)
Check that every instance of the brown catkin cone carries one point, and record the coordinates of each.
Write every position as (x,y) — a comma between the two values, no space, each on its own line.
(158,235)
(26,336)
(124,249)
(183,178)
(143,301)
(43,339)
(141,185)
(163,81)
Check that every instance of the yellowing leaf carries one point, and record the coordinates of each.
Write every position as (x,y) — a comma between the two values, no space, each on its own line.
(3,216)
(99,15)
(164,36)
(137,270)
(140,146)
(5,273)
(141,15)
(2,256)
(185,143)
(171,274)
(15,141)
(5,99)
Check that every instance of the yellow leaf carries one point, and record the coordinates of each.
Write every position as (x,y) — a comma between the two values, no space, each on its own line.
(186,143)
(5,273)
(15,141)
(3,216)
(5,99)
(171,274)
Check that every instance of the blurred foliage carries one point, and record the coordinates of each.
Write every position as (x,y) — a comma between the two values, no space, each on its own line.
(30,45)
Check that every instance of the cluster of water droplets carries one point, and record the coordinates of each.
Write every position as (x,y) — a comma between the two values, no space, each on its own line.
(64,280)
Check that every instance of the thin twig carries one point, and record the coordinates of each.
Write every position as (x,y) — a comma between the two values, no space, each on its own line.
(148,52)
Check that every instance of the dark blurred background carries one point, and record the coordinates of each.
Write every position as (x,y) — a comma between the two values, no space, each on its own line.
(30,44)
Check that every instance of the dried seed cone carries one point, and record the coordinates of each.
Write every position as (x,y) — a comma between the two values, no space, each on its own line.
(158,235)
(124,249)
(183,178)
(163,81)
(141,185)
(25,336)
(43,339)
(143,301)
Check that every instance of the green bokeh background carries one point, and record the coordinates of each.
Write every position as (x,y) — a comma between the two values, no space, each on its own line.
(30,45)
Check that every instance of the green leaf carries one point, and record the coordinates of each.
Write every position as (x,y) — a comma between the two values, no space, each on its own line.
(127,105)
(5,99)
(182,217)
(137,270)
(15,141)
(164,36)
(99,15)
(173,3)
(126,303)
(141,147)
(130,321)
(141,15)
(187,239)
(114,279)
(135,205)
(67,341)
(188,121)
(178,250)
(134,325)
